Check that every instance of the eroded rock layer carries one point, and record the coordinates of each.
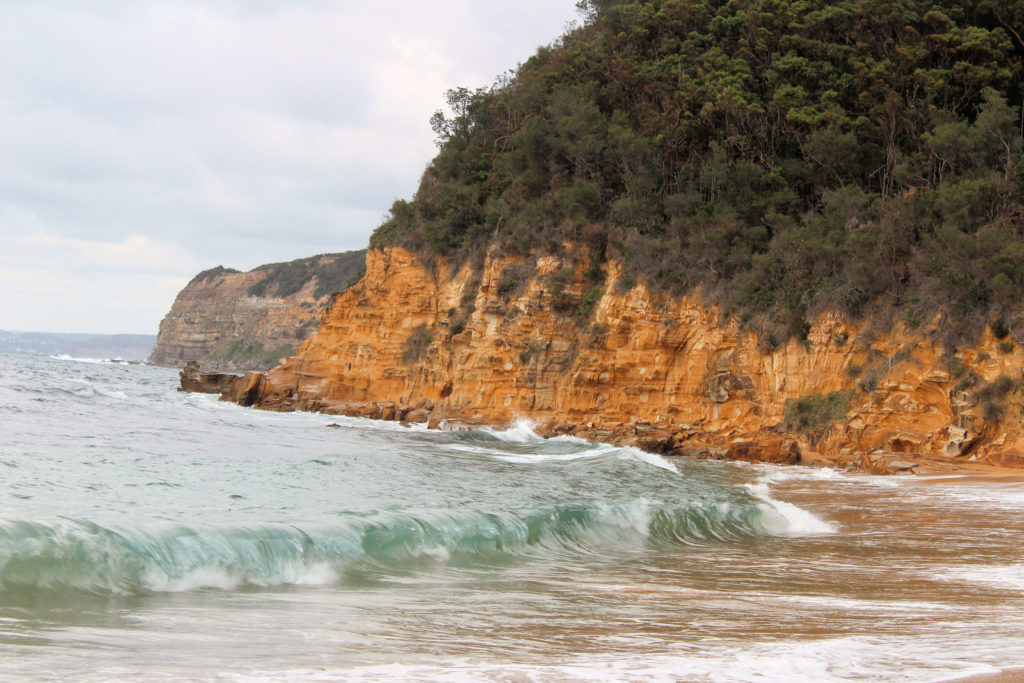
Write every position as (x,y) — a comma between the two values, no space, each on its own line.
(575,354)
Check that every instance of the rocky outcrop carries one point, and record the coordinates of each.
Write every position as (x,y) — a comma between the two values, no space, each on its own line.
(196,381)
(419,342)
(232,321)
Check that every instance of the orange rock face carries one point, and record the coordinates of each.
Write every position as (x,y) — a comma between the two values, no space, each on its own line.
(418,341)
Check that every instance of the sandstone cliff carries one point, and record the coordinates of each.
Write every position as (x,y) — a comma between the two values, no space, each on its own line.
(419,342)
(227,320)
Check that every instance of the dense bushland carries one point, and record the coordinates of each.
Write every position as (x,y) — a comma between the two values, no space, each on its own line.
(333,273)
(780,156)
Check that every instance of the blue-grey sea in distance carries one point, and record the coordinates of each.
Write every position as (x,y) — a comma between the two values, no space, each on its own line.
(149,535)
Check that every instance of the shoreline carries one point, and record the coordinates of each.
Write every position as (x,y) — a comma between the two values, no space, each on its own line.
(767,447)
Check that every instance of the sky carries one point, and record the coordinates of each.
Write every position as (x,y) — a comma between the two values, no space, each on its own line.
(144,141)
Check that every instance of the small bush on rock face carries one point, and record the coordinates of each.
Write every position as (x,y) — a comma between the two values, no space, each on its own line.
(992,397)
(526,356)
(513,279)
(416,344)
(625,283)
(817,411)
(589,300)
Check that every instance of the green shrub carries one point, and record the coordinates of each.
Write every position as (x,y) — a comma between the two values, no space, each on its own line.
(212,273)
(467,302)
(513,278)
(993,395)
(527,355)
(817,411)
(416,344)
(587,303)
(1000,330)
(870,382)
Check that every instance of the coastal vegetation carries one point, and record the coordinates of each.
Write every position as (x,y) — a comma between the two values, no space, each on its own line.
(249,353)
(211,273)
(816,412)
(778,157)
(333,272)
(416,344)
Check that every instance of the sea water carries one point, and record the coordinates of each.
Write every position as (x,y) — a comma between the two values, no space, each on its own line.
(147,534)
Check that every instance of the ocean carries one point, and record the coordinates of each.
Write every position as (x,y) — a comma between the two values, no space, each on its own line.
(151,535)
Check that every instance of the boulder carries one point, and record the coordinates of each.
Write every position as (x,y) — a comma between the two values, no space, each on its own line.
(777,450)
(814,459)
(651,438)
(245,390)
(417,415)
(194,380)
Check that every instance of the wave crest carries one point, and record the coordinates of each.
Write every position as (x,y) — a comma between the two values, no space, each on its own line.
(83,556)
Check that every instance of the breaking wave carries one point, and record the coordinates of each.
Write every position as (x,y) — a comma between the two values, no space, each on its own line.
(84,556)
(94,361)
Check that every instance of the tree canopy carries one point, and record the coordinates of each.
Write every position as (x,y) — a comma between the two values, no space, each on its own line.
(781,156)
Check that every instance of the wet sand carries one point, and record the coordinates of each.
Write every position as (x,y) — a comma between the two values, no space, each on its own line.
(1007,676)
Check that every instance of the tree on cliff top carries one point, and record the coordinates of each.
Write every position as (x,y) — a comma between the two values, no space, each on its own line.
(784,156)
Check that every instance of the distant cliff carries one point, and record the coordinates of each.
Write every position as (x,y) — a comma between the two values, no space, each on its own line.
(228,320)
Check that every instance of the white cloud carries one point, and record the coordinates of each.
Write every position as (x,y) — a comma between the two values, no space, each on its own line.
(236,132)
(54,283)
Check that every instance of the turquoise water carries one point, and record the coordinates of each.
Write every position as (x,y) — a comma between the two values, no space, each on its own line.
(152,535)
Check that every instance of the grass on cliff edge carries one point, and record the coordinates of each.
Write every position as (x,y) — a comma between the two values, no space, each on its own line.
(333,273)
(241,353)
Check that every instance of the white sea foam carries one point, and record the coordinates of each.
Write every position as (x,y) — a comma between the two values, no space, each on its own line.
(635,516)
(630,453)
(773,474)
(983,494)
(221,578)
(438,553)
(1008,577)
(815,661)
(533,458)
(524,430)
(785,519)
(95,361)
(521,431)
(595,451)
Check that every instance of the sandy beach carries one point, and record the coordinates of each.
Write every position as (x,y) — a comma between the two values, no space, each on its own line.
(1015,675)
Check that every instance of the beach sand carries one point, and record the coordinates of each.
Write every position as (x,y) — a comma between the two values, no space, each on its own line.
(1007,676)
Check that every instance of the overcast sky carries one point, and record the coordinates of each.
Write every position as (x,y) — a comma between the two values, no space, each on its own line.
(144,141)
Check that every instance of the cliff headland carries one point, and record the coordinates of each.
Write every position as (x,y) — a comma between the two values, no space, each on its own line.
(782,231)
(450,347)
(231,321)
